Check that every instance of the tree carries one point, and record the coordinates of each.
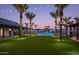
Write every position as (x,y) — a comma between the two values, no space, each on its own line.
(66,19)
(70,24)
(30,16)
(35,26)
(60,8)
(77,22)
(55,16)
(77,19)
(21,8)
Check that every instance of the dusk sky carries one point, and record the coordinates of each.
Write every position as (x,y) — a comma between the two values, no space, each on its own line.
(42,11)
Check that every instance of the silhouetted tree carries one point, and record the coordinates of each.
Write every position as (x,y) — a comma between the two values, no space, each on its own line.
(55,16)
(60,8)
(77,22)
(30,16)
(66,19)
(21,8)
(71,23)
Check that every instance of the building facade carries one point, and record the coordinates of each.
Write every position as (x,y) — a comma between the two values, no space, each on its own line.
(8,28)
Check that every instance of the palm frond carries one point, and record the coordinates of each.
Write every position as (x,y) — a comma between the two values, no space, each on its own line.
(66,18)
(21,7)
(61,6)
(77,19)
(54,14)
(30,15)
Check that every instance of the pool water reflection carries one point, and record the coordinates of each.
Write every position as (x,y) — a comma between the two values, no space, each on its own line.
(45,33)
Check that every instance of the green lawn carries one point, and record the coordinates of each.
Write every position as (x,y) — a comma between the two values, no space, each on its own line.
(36,45)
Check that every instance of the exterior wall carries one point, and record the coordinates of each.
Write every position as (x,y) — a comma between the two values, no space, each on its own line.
(12,30)
(0,32)
(15,31)
(7,33)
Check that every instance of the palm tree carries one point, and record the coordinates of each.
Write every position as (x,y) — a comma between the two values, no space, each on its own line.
(35,26)
(21,8)
(77,22)
(66,19)
(30,16)
(26,24)
(70,23)
(54,15)
(60,8)
(77,19)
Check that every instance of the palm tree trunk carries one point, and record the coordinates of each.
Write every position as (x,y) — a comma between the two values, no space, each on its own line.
(77,34)
(60,29)
(70,31)
(30,27)
(21,23)
(55,27)
(66,30)
(74,31)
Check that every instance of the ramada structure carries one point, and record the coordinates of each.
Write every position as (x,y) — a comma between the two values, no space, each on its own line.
(8,28)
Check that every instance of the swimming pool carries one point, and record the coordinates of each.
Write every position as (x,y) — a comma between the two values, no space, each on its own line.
(45,33)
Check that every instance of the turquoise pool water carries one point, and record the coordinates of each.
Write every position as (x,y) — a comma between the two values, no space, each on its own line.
(45,34)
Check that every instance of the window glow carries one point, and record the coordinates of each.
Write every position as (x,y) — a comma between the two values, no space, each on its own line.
(1,31)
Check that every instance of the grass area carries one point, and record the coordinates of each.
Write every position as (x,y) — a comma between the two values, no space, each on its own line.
(39,45)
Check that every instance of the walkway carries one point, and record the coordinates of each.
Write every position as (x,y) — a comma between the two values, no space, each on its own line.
(74,38)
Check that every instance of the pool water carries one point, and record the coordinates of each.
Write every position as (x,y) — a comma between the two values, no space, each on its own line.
(45,34)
